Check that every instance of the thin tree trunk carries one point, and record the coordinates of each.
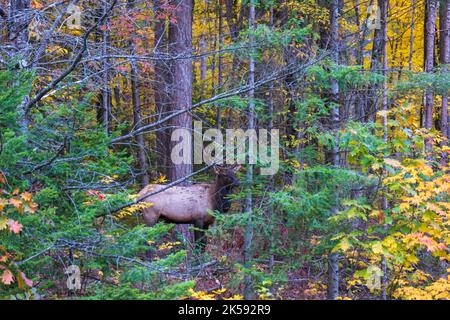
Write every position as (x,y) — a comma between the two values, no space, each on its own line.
(19,17)
(106,107)
(248,238)
(272,182)
(444,59)
(384,5)
(411,35)
(137,117)
(161,90)
(203,60)
(376,66)
(429,40)
(142,158)
(333,258)
(220,63)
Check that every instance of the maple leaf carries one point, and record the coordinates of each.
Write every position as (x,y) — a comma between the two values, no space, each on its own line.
(15,202)
(3,202)
(7,277)
(3,223)
(36,4)
(4,258)
(26,196)
(14,226)
(32,207)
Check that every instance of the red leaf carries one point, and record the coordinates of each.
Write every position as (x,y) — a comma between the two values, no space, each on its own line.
(7,277)
(96,193)
(15,202)
(14,226)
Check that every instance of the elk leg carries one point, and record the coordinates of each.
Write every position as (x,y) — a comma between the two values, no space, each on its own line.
(199,235)
(150,218)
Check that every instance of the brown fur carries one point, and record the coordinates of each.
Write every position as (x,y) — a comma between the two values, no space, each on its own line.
(190,204)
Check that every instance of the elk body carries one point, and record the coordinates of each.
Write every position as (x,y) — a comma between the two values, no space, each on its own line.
(190,204)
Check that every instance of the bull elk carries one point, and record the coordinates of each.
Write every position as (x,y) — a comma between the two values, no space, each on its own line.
(191,204)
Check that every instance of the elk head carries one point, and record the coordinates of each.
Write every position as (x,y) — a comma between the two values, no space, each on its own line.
(226,180)
(226,175)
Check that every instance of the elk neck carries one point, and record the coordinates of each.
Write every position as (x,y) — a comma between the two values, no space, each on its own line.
(221,190)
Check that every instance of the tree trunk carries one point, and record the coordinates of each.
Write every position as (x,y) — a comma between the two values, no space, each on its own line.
(444,59)
(333,258)
(106,94)
(376,66)
(142,158)
(248,238)
(220,63)
(384,5)
(161,90)
(429,40)
(19,17)
(180,41)
(137,118)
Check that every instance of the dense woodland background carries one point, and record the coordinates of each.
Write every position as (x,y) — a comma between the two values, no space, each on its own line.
(359,209)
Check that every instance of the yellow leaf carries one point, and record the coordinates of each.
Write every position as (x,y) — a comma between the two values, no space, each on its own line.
(3,223)
(377,248)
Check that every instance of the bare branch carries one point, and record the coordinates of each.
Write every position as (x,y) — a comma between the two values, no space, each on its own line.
(234,92)
(73,65)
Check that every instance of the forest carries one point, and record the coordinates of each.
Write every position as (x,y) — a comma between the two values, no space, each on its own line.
(114,119)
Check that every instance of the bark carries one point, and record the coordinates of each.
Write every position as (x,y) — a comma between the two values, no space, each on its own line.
(180,41)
